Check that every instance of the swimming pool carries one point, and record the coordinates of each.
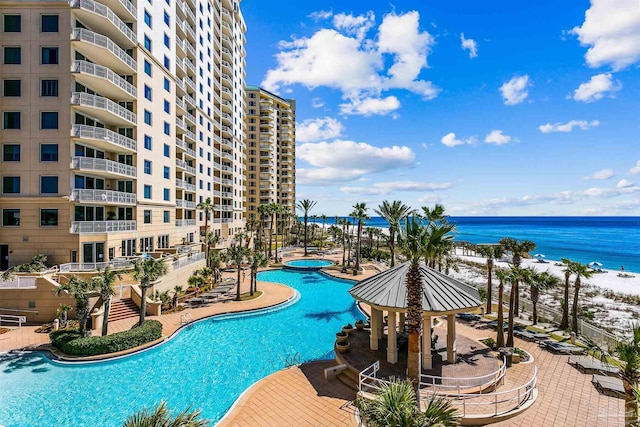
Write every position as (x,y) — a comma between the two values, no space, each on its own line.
(308,264)
(207,365)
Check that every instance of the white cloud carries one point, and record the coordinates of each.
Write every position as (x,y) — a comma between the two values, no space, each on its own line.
(624,183)
(636,169)
(470,45)
(568,127)
(384,188)
(343,161)
(320,15)
(611,29)
(602,174)
(360,65)
(515,90)
(498,137)
(317,103)
(599,86)
(450,140)
(316,129)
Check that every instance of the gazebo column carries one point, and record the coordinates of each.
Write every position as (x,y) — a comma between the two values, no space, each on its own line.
(427,357)
(376,328)
(401,321)
(451,338)
(392,340)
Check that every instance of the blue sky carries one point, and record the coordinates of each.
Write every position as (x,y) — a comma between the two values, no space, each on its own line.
(490,108)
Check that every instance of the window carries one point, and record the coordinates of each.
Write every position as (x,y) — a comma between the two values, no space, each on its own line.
(147,68)
(167,63)
(147,43)
(166,217)
(12,55)
(49,88)
(147,92)
(147,167)
(147,117)
(11,152)
(166,85)
(49,23)
(11,87)
(147,142)
(167,20)
(167,40)
(49,120)
(48,217)
(10,217)
(11,120)
(49,55)
(167,171)
(147,18)
(48,152)
(167,128)
(167,107)
(10,184)
(167,195)
(48,184)
(12,23)
(147,217)
(147,191)
(167,150)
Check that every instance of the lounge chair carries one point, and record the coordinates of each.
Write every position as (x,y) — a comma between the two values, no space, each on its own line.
(468,316)
(561,347)
(589,365)
(608,386)
(530,335)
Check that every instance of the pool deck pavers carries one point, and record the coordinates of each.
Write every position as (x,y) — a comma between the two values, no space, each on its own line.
(300,396)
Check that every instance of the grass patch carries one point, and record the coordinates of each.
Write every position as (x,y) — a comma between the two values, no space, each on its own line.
(536,329)
(248,297)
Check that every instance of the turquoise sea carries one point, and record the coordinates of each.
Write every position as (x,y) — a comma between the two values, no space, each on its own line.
(613,241)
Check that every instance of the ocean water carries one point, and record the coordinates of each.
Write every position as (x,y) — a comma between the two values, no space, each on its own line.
(612,241)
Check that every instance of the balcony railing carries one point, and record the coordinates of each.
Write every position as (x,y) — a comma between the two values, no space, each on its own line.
(106,197)
(91,163)
(103,73)
(93,227)
(92,132)
(82,34)
(183,145)
(184,165)
(100,102)
(185,204)
(185,222)
(185,185)
(104,11)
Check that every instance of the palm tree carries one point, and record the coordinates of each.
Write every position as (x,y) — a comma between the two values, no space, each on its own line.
(237,253)
(393,212)
(539,283)
(395,404)
(581,271)
(147,271)
(359,214)
(490,252)
(79,290)
(207,206)
(568,271)
(215,262)
(412,242)
(515,274)
(62,314)
(314,218)
(502,275)
(273,210)
(324,218)
(212,239)
(435,214)
(104,284)
(344,223)
(438,241)
(263,211)
(256,261)
(162,417)
(306,205)
(518,249)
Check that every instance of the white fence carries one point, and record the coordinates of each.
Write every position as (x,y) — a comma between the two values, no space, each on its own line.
(454,386)
(19,320)
(19,282)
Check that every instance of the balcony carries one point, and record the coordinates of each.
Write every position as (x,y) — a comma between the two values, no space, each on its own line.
(227,129)
(98,46)
(103,80)
(123,8)
(225,181)
(184,185)
(227,106)
(103,167)
(185,167)
(226,194)
(101,227)
(103,109)
(185,204)
(226,155)
(226,28)
(97,15)
(102,138)
(190,118)
(102,197)
(227,93)
(185,222)
(185,147)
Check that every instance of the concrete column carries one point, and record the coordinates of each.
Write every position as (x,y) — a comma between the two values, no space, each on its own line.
(401,321)
(451,338)
(380,323)
(375,330)
(392,340)
(427,357)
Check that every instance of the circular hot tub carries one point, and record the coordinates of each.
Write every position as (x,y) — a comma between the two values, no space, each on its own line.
(307,264)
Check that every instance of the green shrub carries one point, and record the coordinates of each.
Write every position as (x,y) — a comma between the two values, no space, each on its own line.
(69,341)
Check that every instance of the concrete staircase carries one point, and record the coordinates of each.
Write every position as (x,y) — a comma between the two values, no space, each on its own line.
(123,309)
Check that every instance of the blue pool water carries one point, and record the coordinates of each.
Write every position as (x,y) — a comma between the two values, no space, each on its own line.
(207,365)
(308,263)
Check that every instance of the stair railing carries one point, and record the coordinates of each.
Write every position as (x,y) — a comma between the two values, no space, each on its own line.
(292,360)
(186,318)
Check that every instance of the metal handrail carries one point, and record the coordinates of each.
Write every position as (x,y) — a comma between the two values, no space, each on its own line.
(482,381)
(104,11)
(105,42)
(96,101)
(103,72)
(85,131)
(92,163)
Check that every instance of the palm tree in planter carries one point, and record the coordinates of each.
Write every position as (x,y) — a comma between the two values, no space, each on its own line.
(582,272)
(502,275)
(237,254)
(518,249)
(256,261)
(393,212)
(212,241)
(62,314)
(568,271)
(359,214)
(147,271)
(104,285)
(538,283)
(162,417)
(273,210)
(215,262)
(79,290)
(491,253)
(305,206)
(207,207)
(515,274)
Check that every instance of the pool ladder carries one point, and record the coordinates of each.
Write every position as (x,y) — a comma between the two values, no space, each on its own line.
(292,360)
(186,318)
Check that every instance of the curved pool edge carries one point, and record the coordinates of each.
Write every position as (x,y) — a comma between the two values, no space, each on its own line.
(56,359)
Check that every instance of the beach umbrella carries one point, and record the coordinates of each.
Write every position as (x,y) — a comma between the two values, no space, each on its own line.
(595,264)
(539,256)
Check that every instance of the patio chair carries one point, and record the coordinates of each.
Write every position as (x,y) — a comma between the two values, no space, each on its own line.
(608,386)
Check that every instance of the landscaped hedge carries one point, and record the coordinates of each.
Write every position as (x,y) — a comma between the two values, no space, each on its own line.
(69,341)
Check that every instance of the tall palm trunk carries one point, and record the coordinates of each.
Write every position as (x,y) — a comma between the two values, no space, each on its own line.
(305,236)
(574,308)
(564,323)
(271,234)
(489,285)
(105,321)
(414,322)
(144,287)
(516,302)
(392,246)
(535,295)
(500,336)
(512,300)
(238,262)
(358,242)
(630,405)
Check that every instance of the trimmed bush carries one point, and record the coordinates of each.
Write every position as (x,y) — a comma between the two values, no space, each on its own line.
(69,341)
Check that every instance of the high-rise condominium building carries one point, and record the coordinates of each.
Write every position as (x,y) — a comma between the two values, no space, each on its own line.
(271,151)
(118,118)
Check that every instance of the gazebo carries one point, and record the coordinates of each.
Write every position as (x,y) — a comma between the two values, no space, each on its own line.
(441,295)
